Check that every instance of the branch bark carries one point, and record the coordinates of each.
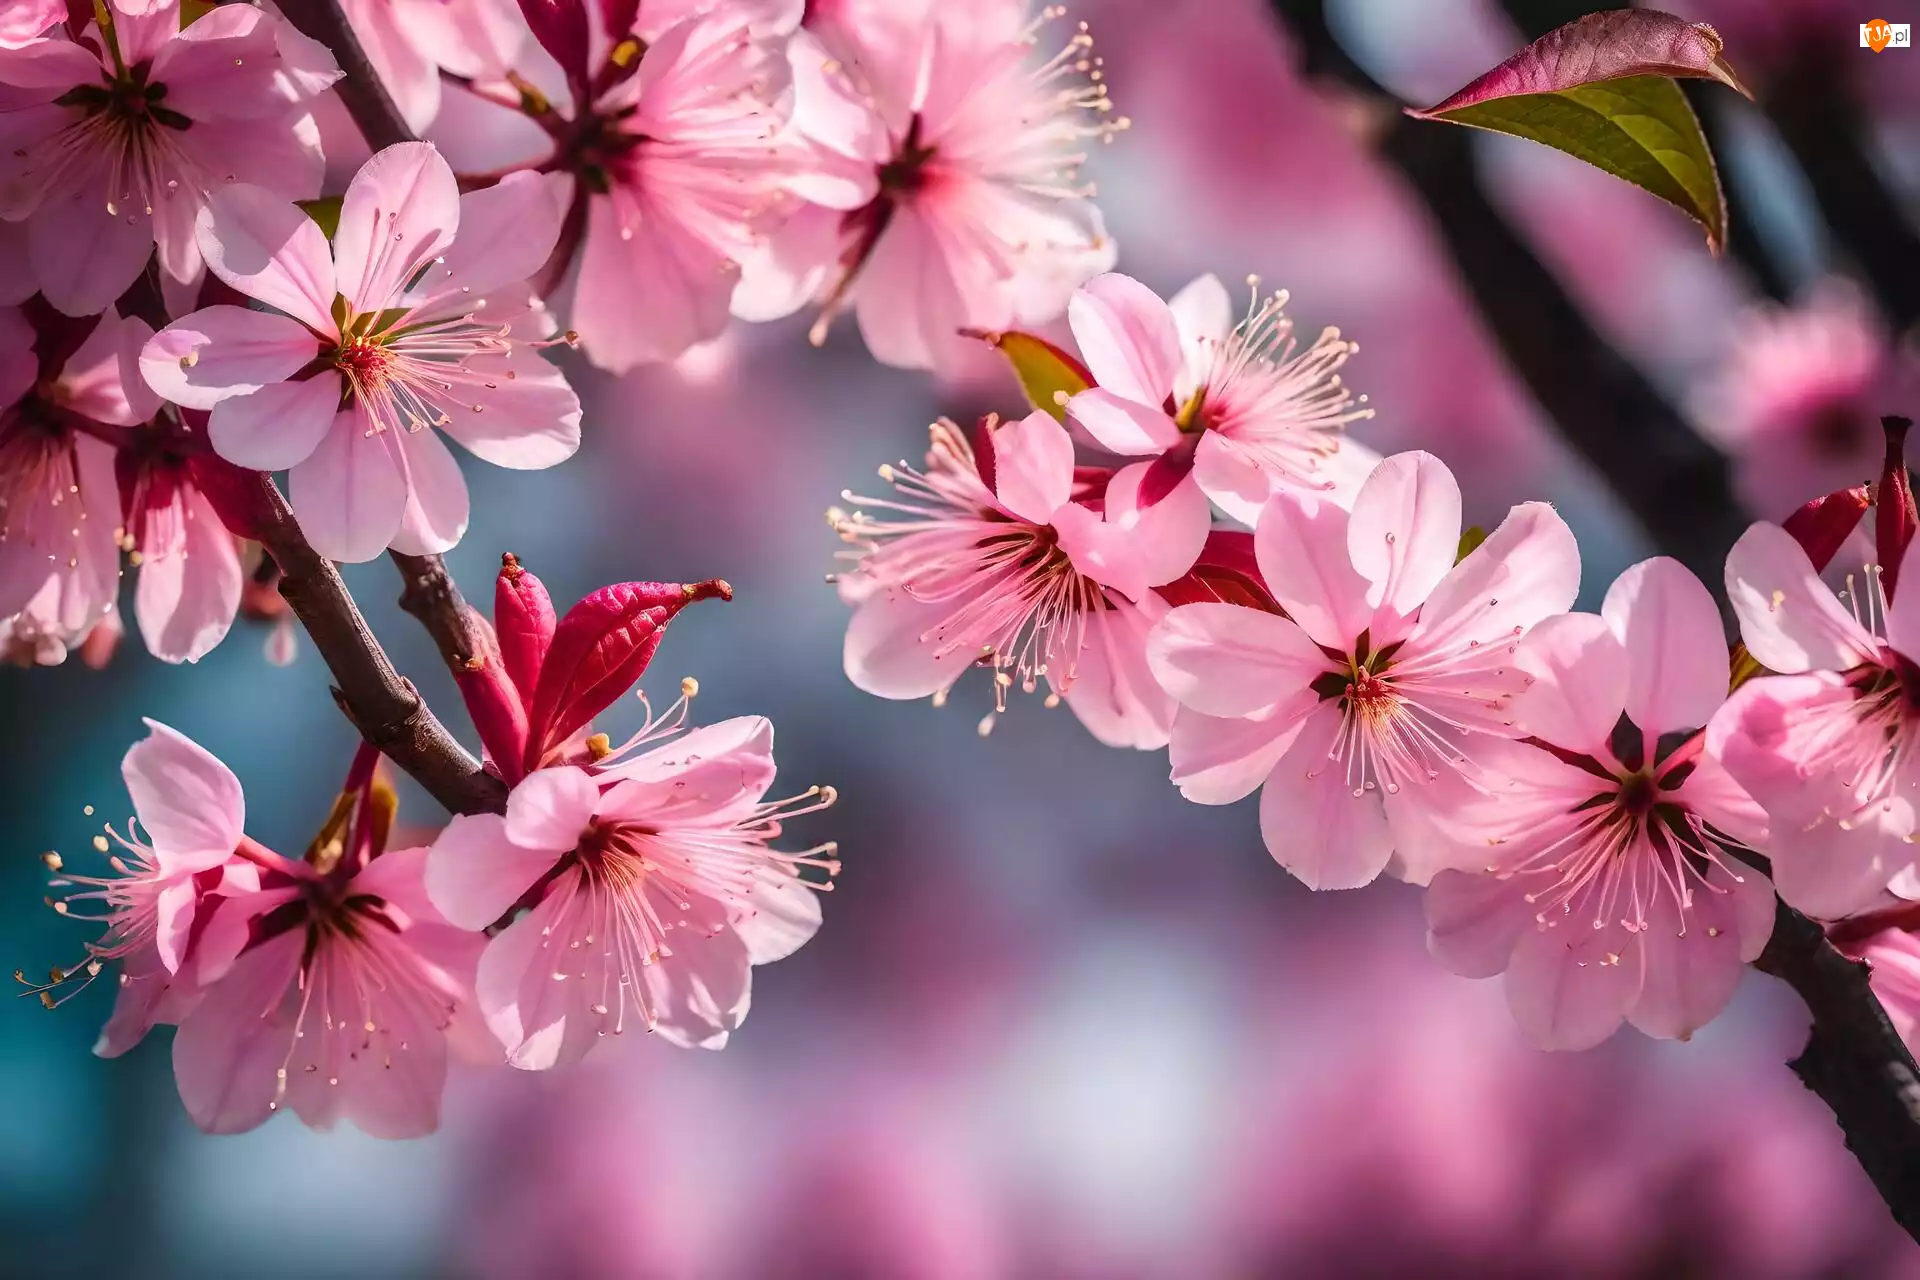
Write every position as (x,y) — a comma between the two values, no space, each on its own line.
(429,593)
(365,98)
(1854,1060)
(384,706)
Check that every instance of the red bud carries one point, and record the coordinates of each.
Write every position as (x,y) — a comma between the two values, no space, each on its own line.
(561,28)
(523,618)
(1894,518)
(1823,525)
(498,712)
(600,650)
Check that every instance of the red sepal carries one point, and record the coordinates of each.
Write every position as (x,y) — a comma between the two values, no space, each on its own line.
(524,620)
(1823,525)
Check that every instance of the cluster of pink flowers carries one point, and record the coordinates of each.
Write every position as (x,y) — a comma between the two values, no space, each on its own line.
(624,888)
(1593,816)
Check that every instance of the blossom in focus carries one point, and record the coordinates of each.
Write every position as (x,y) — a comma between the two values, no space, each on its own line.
(1355,712)
(1597,864)
(410,42)
(116,140)
(417,317)
(1828,745)
(190,579)
(935,176)
(1236,403)
(651,886)
(333,987)
(67,388)
(1799,401)
(1000,554)
(165,883)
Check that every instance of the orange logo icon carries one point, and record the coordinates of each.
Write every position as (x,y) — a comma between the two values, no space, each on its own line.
(1878,33)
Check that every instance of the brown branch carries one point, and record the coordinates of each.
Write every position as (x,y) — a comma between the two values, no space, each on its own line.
(430,594)
(384,706)
(1854,1060)
(365,98)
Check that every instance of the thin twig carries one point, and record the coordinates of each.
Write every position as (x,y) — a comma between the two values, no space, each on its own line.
(366,99)
(384,706)
(430,594)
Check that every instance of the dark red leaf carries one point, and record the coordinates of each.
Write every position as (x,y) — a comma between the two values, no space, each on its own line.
(523,620)
(499,714)
(1226,573)
(1894,518)
(561,27)
(1822,526)
(983,453)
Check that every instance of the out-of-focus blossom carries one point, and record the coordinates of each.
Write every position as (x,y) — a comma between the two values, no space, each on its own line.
(25,21)
(438,330)
(116,140)
(1800,399)
(195,851)
(410,42)
(936,166)
(1352,712)
(1594,862)
(333,986)
(651,886)
(1002,555)
(1180,382)
(1827,746)
(66,390)
(189,564)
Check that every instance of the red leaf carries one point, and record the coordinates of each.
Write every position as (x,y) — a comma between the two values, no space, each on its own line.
(562,30)
(599,650)
(1822,526)
(1894,517)
(1226,573)
(523,619)
(499,715)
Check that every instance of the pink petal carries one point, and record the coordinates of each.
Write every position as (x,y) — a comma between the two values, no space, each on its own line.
(1527,569)
(224,351)
(436,514)
(148,995)
(351,494)
(831,109)
(173,920)
(400,212)
(83,256)
(228,1053)
(713,774)
(1405,530)
(1563,989)
(1764,731)
(189,802)
(1219,760)
(907,303)
(267,248)
(1831,872)
(1033,466)
(410,77)
(1693,965)
(1122,426)
(1475,921)
(1127,337)
(187,597)
(790,267)
(278,426)
(507,232)
(1578,670)
(1789,619)
(102,378)
(1111,689)
(286,160)
(1301,547)
(1753,907)
(1164,540)
(891,651)
(1229,660)
(1312,821)
(226,64)
(702,992)
(1710,792)
(1677,667)
(528,420)
(649,295)
(475,873)
(387,1079)
(1232,478)
(552,808)
(543,1020)
(1203,315)
(780,916)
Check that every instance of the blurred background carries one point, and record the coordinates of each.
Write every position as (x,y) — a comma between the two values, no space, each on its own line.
(1059,1022)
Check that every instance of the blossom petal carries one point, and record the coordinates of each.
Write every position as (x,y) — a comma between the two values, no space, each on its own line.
(1527,569)
(1578,673)
(1677,666)
(1233,478)
(229,1052)
(1218,760)
(1230,660)
(1033,466)
(1475,921)
(187,597)
(1120,425)
(1405,530)
(189,802)
(1203,316)
(1127,336)
(1789,619)
(1313,822)
(893,650)
(400,213)
(436,514)
(527,420)
(782,913)
(1110,688)
(1301,547)
(1570,987)
(551,808)
(102,378)
(85,255)
(713,774)
(225,351)
(1832,871)
(507,232)
(1692,964)
(701,992)
(351,493)
(475,872)
(278,426)
(267,248)
(1903,611)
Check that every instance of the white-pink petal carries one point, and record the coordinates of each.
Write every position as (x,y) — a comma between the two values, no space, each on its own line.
(223,351)
(1120,425)
(1578,671)
(1127,337)
(276,426)
(189,802)
(1232,660)
(400,212)
(1313,822)
(1033,466)
(475,873)
(1789,619)
(1677,665)
(1301,547)
(1405,530)
(269,249)
(351,493)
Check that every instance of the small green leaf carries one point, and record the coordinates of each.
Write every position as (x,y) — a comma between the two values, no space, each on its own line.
(1048,375)
(324,210)
(1744,667)
(1470,541)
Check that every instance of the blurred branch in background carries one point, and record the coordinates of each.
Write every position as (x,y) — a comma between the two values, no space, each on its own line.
(360,90)
(1676,484)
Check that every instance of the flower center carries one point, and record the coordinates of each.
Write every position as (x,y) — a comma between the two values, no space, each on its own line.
(1638,793)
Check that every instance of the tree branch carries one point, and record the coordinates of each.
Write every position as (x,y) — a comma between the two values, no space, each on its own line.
(385,707)
(365,98)
(1854,1060)
(430,594)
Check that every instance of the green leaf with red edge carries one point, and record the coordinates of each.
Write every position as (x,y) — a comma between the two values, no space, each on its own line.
(1049,376)
(1602,89)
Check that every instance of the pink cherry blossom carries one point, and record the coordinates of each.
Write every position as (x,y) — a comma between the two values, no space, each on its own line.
(1355,711)
(936,176)
(1827,746)
(410,42)
(115,140)
(1799,400)
(1595,861)
(157,902)
(59,504)
(190,578)
(1238,404)
(416,317)
(652,891)
(993,556)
